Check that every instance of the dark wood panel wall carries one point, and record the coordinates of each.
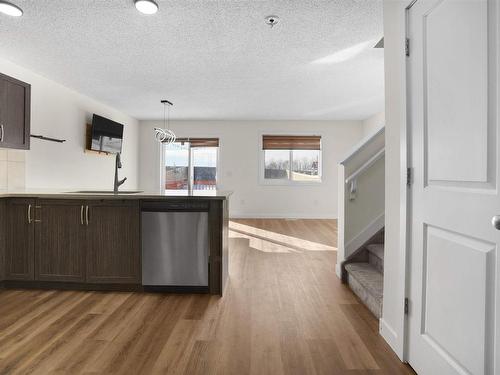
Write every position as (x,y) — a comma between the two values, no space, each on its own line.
(3,215)
(218,238)
(225,244)
(215,243)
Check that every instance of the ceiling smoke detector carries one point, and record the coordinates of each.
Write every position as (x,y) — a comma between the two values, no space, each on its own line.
(272,20)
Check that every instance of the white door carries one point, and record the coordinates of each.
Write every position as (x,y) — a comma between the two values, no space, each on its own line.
(453,323)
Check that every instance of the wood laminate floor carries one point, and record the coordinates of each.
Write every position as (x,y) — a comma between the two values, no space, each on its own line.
(284,312)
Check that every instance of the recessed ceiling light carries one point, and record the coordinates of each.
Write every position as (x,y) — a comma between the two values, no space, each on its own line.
(146,6)
(10,9)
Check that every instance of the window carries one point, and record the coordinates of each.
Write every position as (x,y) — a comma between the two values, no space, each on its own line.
(291,159)
(177,166)
(191,164)
(277,164)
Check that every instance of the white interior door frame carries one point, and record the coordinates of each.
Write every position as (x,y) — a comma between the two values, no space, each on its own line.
(406,180)
(393,324)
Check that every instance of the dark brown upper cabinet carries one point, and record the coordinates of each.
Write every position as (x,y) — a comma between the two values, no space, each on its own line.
(15,109)
(19,260)
(60,235)
(113,242)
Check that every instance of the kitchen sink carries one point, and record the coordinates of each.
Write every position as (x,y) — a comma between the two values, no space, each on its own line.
(105,192)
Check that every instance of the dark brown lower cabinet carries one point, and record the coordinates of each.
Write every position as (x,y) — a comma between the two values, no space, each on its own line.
(20,241)
(78,241)
(3,224)
(60,235)
(113,242)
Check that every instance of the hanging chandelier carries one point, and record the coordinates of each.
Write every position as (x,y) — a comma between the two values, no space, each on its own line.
(165,135)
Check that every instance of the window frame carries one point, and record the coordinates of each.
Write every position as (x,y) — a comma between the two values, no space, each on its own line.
(289,181)
(163,177)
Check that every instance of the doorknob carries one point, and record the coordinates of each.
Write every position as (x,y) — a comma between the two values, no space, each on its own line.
(495,221)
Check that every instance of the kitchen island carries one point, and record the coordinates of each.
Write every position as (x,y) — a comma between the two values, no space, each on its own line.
(92,240)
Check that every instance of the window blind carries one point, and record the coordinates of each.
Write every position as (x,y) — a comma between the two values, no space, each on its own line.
(200,142)
(291,142)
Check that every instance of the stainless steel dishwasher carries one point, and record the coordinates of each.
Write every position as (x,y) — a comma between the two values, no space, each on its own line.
(174,245)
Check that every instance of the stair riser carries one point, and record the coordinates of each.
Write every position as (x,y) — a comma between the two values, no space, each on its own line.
(373,304)
(376,262)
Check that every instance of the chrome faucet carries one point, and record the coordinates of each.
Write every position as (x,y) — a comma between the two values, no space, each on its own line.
(118,164)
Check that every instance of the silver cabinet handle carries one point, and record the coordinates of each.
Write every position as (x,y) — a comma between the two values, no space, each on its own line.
(29,214)
(495,221)
(1,132)
(81,215)
(87,214)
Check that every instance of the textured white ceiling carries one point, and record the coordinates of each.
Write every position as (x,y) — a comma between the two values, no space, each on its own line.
(215,59)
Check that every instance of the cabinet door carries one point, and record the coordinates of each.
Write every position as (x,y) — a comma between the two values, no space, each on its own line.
(19,262)
(60,240)
(15,97)
(3,229)
(113,242)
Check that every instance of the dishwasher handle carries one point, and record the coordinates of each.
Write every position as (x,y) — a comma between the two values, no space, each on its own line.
(175,206)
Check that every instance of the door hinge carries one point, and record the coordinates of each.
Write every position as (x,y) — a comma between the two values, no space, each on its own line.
(409,176)
(407,308)
(407,47)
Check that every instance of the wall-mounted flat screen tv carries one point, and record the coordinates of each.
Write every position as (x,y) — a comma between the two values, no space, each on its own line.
(107,135)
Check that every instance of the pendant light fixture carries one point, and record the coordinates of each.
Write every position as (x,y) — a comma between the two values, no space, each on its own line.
(10,9)
(146,6)
(165,135)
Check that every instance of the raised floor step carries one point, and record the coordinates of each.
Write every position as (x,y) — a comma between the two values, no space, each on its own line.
(368,284)
(376,256)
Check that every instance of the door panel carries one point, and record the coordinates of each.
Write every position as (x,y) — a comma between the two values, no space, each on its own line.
(452,85)
(15,97)
(456,56)
(113,242)
(450,289)
(60,241)
(19,262)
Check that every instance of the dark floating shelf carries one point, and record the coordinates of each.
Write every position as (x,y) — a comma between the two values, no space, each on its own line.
(44,138)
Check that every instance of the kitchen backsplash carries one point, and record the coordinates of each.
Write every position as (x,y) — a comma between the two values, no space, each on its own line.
(12,169)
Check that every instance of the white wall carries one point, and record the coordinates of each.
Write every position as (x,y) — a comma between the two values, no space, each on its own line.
(361,218)
(373,123)
(368,205)
(12,169)
(393,319)
(239,164)
(59,112)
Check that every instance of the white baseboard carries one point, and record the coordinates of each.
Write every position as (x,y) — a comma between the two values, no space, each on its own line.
(244,215)
(368,232)
(391,337)
(338,271)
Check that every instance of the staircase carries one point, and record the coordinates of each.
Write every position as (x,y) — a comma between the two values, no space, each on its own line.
(366,278)
(360,256)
